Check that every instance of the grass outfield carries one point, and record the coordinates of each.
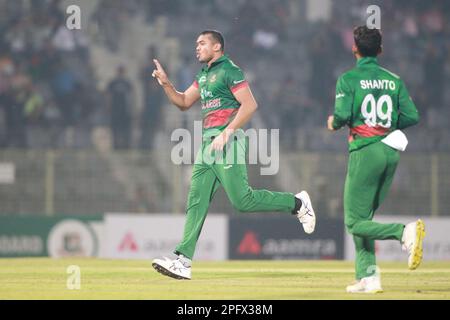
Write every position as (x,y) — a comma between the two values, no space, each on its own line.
(130,279)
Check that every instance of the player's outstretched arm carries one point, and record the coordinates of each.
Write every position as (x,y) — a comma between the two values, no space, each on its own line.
(183,100)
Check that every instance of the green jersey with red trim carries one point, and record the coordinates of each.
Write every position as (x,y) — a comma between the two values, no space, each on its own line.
(373,102)
(216,84)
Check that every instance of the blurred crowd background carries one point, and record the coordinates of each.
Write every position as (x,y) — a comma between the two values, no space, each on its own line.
(88,129)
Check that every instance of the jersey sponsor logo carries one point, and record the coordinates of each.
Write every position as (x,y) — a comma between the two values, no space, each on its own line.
(238,81)
(377,84)
(205,94)
(215,103)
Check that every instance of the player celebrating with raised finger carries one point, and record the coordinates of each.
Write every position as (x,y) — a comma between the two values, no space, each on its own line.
(227,105)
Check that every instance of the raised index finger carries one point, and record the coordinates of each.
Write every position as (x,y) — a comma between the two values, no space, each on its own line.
(157,64)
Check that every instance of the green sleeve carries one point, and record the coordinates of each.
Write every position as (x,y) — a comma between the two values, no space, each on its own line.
(343,105)
(234,78)
(408,114)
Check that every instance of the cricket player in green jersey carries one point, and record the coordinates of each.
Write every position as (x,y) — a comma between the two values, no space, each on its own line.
(374,103)
(227,105)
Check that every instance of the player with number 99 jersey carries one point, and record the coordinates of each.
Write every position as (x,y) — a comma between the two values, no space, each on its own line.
(374,103)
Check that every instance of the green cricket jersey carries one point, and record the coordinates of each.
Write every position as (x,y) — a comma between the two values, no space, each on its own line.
(373,102)
(217,84)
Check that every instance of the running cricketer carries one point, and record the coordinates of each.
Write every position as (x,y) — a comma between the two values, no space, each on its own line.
(375,104)
(227,105)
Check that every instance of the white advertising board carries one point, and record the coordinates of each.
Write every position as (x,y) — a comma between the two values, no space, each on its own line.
(137,236)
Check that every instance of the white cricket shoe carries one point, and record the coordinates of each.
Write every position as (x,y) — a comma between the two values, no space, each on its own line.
(172,268)
(412,240)
(306,213)
(370,284)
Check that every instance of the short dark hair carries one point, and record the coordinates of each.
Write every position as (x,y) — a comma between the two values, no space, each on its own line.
(217,36)
(368,41)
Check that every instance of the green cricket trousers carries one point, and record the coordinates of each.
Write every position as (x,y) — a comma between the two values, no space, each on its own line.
(208,174)
(370,173)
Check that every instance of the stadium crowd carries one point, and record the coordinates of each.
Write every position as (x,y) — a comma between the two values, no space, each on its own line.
(48,88)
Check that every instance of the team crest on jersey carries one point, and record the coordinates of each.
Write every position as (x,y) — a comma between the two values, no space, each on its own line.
(213,78)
